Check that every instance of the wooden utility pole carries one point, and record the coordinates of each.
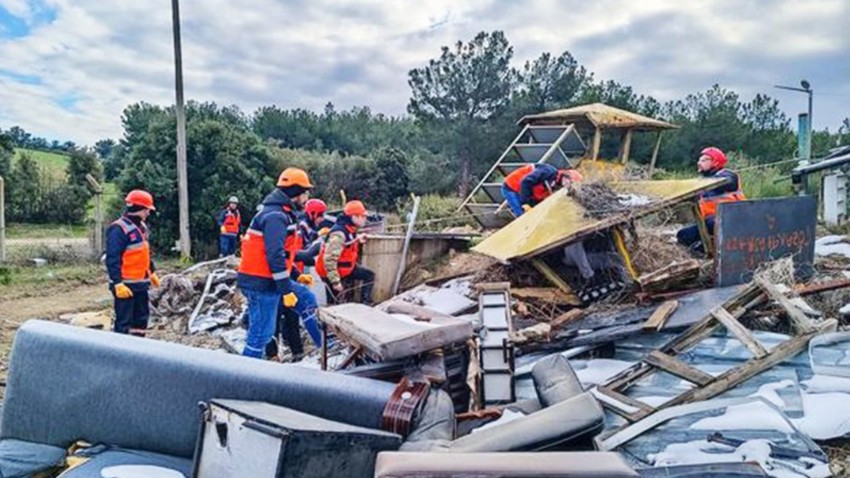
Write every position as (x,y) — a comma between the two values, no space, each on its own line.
(2,220)
(98,214)
(182,173)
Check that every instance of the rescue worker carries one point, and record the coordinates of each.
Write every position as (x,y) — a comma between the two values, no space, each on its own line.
(266,277)
(532,183)
(337,259)
(129,265)
(229,222)
(711,164)
(314,225)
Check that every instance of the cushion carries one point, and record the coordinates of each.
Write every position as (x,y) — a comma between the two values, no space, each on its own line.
(121,463)
(24,459)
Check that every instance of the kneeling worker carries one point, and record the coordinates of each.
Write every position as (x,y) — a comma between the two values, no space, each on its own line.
(532,183)
(711,164)
(129,264)
(337,260)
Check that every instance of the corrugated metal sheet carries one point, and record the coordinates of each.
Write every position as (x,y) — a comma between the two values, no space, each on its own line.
(599,115)
(560,220)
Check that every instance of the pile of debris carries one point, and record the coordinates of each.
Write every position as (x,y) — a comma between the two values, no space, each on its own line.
(600,201)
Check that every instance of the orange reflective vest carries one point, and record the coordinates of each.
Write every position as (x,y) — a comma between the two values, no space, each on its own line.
(232,221)
(347,259)
(136,258)
(254,260)
(708,205)
(292,245)
(513,181)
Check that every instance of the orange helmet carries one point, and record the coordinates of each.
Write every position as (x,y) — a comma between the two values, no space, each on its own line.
(294,177)
(137,197)
(354,208)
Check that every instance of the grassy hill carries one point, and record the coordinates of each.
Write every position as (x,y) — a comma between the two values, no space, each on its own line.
(52,163)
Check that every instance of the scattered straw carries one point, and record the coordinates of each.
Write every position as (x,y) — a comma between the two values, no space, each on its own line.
(599,200)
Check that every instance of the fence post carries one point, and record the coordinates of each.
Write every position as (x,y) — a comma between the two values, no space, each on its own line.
(98,214)
(2,220)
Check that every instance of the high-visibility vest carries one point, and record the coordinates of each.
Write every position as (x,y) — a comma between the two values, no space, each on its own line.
(293,243)
(347,259)
(513,181)
(708,205)
(253,254)
(136,258)
(232,220)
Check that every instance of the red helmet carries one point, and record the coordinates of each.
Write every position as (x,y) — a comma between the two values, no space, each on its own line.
(354,208)
(718,157)
(574,175)
(315,208)
(137,197)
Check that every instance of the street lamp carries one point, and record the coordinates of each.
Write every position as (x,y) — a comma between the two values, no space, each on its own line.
(806,88)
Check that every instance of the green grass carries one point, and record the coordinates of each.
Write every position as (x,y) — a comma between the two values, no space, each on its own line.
(53,163)
(26,275)
(45,231)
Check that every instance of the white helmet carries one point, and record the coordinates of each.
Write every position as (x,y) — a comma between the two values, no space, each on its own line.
(233,199)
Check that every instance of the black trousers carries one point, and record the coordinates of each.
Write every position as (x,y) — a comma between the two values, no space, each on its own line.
(367,279)
(132,314)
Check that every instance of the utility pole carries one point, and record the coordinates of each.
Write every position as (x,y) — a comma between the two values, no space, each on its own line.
(182,173)
(806,87)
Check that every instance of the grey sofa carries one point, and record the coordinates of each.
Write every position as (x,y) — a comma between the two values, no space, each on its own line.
(67,384)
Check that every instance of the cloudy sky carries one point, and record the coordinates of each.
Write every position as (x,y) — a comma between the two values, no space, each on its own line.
(68,67)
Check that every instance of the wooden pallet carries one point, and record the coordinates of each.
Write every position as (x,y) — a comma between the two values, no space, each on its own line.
(613,394)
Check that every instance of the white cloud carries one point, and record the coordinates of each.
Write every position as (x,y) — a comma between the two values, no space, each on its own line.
(304,53)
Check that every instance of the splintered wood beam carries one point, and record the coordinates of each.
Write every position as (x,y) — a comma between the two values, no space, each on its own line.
(739,331)
(798,319)
(678,368)
(551,275)
(739,375)
(659,317)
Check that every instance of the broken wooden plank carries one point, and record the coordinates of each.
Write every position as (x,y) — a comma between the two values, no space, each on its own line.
(350,358)
(566,318)
(798,319)
(738,375)
(493,286)
(658,318)
(546,294)
(551,275)
(678,368)
(810,289)
(739,331)
(675,272)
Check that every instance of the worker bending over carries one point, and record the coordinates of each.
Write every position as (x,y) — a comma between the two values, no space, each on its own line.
(315,224)
(266,270)
(532,183)
(129,264)
(229,222)
(711,164)
(337,260)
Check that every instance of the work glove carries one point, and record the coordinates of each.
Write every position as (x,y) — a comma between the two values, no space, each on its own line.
(324,231)
(155,279)
(337,287)
(526,207)
(122,291)
(289,300)
(305,279)
(223,230)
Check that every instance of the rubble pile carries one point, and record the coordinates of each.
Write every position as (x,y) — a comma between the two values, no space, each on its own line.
(600,201)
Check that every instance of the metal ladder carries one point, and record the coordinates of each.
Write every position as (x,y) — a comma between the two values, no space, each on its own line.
(558,145)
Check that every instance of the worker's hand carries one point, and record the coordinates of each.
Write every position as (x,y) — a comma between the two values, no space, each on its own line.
(122,291)
(289,300)
(337,287)
(362,238)
(223,230)
(526,207)
(324,231)
(155,279)
(305,279)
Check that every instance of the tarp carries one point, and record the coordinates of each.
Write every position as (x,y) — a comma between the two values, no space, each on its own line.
(560,219)
(599,115)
